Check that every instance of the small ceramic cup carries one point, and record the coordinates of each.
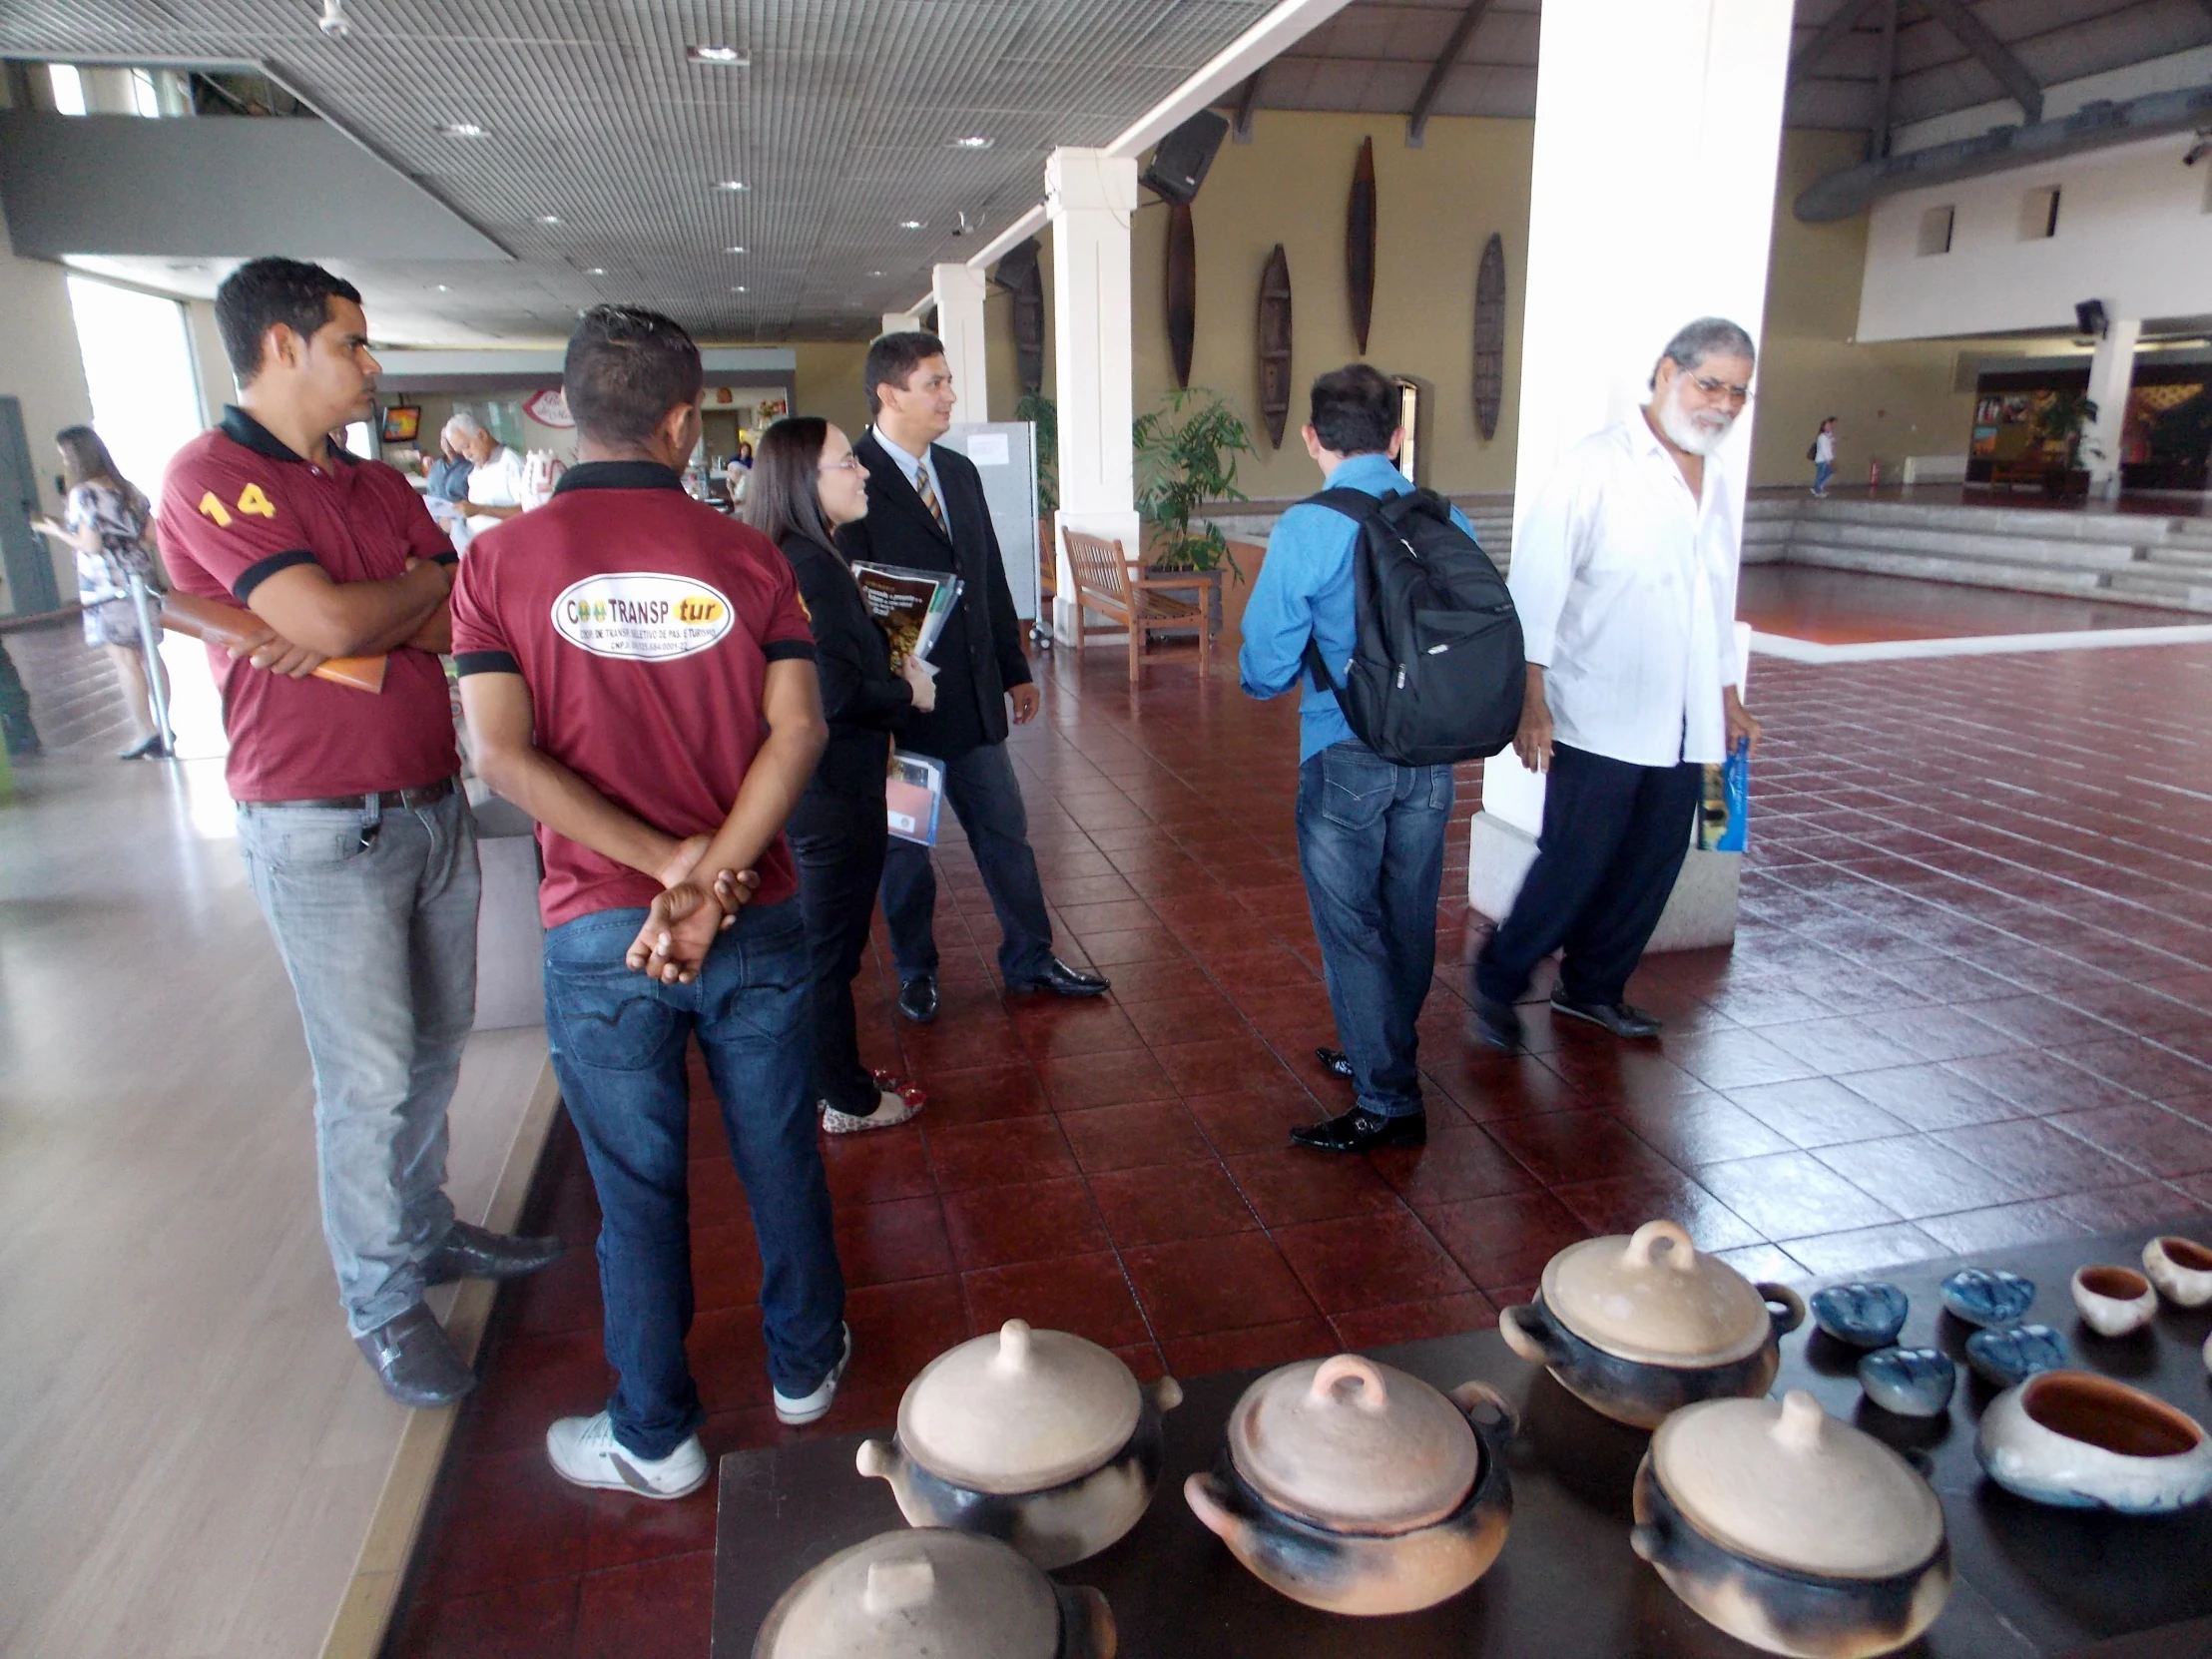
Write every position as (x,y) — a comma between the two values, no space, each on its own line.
(1988,1296)
(2181,1268)
(2009,1356)
(1862,1316)
(1911,1381)
(2114,1301)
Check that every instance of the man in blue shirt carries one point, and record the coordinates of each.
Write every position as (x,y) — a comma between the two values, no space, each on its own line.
(1370,835)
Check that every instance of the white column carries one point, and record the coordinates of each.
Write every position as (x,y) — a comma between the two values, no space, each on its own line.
(959,292)
(901,322)
(1651,202)
(1089,196)
(2112,374)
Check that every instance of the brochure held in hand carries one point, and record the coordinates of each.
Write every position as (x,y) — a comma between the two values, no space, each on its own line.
(911,606)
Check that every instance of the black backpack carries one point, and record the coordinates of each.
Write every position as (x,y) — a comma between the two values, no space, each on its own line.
(1437,673)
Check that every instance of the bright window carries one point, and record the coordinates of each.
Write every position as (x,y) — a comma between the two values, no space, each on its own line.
(69,88)
(143,98)
(137,365)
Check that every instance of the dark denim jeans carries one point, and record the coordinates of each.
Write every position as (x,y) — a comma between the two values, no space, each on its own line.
(837,842)
(980,789)
(1371,843)
(618,1042)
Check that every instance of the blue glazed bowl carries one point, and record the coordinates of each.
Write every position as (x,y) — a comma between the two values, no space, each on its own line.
(1864,1315)
(1988,1296)
(2011,1356)
(1911,1381)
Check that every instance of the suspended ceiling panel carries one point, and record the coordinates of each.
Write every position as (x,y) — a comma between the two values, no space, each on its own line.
(844,130)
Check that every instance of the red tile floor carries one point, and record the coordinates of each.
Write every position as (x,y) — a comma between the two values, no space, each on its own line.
(1970,1002)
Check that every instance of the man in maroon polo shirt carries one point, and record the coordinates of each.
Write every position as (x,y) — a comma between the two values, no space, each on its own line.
(639,677)
(361,848)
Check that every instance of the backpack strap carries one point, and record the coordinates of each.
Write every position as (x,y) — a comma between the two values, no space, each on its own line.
(1358,506)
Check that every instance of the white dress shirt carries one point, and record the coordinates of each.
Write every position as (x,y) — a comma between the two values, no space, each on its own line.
(1626,586)
(498,481)
(912,466)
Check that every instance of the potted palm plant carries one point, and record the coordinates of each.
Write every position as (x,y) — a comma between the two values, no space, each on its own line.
(1186,454)
(2063,421)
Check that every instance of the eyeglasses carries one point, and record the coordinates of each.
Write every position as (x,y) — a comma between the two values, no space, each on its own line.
(852,463)
(1716,388)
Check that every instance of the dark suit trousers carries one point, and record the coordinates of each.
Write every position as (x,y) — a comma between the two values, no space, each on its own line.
(837,843)
(1613,842)
(981,788)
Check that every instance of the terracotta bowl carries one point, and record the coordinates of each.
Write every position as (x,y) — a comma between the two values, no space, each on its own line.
(2181,1269)
(2081,1442)
(2114,1301)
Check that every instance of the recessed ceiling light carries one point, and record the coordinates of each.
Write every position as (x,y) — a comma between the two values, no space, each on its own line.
(733,185)
(549,219)
(463,128)
(909,224)
(595,271)
(732,250)
(445,287)
(875,274)
(739,289)
(974,141)
(732,57)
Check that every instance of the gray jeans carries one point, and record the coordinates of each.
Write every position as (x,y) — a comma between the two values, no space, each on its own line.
(374,913)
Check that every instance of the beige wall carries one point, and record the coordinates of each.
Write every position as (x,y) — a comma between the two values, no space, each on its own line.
(209,360)
(39,366)
(826,382)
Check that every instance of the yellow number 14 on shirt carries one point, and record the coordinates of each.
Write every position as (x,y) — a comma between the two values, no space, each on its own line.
(250,500)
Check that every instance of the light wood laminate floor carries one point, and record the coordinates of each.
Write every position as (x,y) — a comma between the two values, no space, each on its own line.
(190,1450)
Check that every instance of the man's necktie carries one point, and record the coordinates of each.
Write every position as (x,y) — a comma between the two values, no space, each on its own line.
(929,500)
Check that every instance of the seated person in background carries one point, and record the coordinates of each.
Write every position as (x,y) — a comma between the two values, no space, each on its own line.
(639,677)
(496,478)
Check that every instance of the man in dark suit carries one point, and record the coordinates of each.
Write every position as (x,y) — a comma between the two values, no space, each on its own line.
(927,511)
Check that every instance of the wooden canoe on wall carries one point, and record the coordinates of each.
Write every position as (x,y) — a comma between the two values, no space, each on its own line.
(1182,288)
(1019,275)
(1275,344)
(1359,244)
(1490,336)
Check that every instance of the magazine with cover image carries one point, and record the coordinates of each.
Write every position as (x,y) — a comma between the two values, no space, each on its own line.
(1724,819)
(912,606)
(913,797)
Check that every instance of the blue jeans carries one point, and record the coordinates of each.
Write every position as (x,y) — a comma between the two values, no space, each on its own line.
(618,1042)
(1822,472)
(981,790)
(1370,844)
(375,914)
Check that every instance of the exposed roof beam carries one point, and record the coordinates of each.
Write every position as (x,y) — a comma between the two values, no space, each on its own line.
(1247,98)
(1833,34)
(1454,45)
(1996,57)
(1885,82)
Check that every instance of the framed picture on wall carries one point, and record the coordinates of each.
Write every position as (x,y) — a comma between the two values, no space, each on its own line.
(403,422)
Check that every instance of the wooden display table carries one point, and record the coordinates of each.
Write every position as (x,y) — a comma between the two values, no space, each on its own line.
(2033,1582)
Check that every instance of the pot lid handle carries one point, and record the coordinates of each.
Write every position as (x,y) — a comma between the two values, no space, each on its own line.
(1372,1398)
(1013,1348)
(1647,1236)
(1799,1426)
(896,1585)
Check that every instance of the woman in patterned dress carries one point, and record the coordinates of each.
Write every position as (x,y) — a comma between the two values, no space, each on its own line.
(109,525)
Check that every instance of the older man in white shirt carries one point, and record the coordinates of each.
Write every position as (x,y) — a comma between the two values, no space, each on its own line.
(497,482)
(1624,574)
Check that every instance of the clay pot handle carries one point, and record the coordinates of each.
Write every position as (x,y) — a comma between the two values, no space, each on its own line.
(1013,1347)
(1784,1306)
(1646,1238)
(1472,1397)
(1373,1396)
(1798,1428)
(1205,1497)
(876,1459)
(1527,1332)
(1167,1394)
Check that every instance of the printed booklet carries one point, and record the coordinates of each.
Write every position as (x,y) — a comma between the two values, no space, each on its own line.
(912,606)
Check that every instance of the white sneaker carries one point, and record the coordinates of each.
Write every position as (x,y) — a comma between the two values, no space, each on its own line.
(584,1450)
(895,1103)
(796,1414)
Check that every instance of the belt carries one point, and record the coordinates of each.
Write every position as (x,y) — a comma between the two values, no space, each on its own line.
(403,799)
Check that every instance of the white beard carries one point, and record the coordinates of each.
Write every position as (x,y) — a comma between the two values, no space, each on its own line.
(1699,432)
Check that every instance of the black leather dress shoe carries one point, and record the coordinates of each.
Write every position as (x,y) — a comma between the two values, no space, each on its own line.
(1616,1017)
(1334,1062)
(917,999)
(1498,1024)
(415,1361)
(473,1253)
(1361,1130)
(1062,980)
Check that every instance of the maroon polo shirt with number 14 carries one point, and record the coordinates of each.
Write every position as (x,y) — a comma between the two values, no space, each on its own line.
(643,622)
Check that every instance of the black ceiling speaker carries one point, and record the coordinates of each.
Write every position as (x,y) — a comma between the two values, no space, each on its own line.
(2090,315)
(1179,165)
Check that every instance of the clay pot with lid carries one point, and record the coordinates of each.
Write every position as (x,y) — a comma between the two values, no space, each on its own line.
(923,1594)
(1038,1437)
(1356,1489)
(1642,1325)
(1790,1530)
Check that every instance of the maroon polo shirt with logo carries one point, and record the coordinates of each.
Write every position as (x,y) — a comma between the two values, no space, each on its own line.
(236,507)
(643,622)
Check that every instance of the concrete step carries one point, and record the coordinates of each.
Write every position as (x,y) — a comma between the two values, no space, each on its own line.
(1945,544)
(2021,578)
(2154,584)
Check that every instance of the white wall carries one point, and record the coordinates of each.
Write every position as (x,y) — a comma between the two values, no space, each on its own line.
(2134,231)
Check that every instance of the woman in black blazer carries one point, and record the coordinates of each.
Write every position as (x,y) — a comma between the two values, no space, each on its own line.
(805,483)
